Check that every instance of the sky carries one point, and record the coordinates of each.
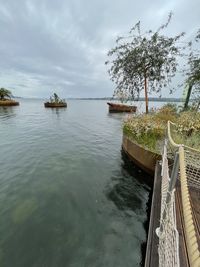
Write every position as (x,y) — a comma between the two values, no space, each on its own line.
(60,46)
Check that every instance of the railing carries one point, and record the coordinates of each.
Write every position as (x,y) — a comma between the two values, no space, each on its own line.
(189,176)
(168,249)
(188,160)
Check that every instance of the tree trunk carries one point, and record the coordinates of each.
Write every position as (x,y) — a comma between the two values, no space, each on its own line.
(188,95)
(198,105)
(146,95)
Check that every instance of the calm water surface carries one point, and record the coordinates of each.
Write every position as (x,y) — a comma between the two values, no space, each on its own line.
(68,198)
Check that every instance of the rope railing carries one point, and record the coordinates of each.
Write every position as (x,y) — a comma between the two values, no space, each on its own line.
(191,239)
(192,159)
(168,248)
(189,160)
(169,123)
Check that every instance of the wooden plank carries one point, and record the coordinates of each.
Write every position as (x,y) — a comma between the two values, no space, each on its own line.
(151,259)
(195,200)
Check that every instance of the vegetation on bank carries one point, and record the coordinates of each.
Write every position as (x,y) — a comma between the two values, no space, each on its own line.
(5,94)
(5,98)
(55,99)
(149,130)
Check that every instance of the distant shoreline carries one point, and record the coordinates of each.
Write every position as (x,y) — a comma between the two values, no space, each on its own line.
(164,99)
(151,99)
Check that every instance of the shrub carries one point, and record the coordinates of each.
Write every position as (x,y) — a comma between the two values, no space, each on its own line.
(145,130)
(188,123)
(149,130)
(168,112)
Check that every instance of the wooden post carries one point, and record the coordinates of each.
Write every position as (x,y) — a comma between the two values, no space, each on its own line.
(146,95)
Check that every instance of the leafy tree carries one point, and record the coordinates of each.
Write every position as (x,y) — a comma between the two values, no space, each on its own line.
(121,96)
(56,98)
(5,93)
(193,75)
(144,60)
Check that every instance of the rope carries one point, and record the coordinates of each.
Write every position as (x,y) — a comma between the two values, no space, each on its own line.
(169,134)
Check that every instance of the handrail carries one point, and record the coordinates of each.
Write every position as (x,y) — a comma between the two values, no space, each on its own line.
(191,239)
(168,248)
(169,134)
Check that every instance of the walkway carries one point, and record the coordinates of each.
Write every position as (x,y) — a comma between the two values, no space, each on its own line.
(174,230)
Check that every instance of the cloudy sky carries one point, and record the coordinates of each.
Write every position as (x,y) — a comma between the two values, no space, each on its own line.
(61,45)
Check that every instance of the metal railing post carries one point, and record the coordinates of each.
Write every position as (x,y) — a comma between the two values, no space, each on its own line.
(174,173)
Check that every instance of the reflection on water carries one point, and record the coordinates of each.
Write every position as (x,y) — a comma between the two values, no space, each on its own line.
(7,112)
(58,111)
(127,186)
(126,190)
(117,116)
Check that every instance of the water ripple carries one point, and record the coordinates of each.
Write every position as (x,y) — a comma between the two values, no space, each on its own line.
(67,195)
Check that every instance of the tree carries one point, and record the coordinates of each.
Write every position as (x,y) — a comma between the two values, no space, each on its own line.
(193,75)
(56,99)
(144,60)
(121,96)
(5,93)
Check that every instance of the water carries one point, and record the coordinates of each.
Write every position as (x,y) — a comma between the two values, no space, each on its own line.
(68,197)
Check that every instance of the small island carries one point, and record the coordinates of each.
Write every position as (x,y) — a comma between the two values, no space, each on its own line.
(55,102)
(5,98)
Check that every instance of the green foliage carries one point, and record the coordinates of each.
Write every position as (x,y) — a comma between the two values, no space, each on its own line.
(5,93)
(169,108)
(188,123)
(149,130)
(140,56)
(121,96)
(145,130)
(167,113)
(193,74)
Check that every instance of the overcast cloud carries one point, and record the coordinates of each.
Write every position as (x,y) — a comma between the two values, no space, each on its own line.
(61,45)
